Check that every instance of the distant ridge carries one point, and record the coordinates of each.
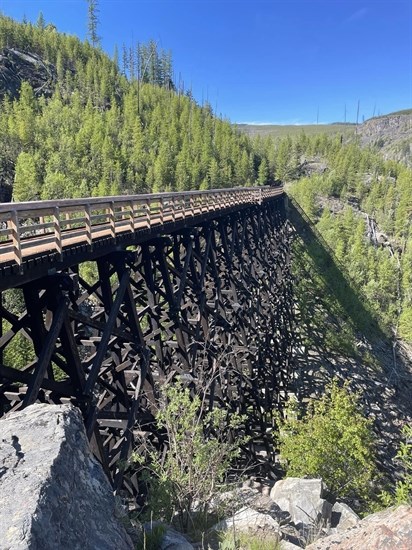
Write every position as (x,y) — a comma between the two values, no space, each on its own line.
(377,134)
(282,130)
(395,113)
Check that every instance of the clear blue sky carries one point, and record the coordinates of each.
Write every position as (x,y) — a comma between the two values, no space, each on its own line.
(292,61)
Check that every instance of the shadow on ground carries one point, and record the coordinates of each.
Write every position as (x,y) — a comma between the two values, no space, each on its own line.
(338,336)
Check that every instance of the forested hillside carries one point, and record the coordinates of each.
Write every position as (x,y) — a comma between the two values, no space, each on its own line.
(362,206)
(103,131)
(106,127)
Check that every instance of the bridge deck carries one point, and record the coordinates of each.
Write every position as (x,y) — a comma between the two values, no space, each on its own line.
(50,232)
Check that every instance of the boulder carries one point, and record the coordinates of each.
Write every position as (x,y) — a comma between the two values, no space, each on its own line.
(170,539)
(54,493)
(343,517)
(286,545)
(230,502)
(389,529)
(304,500)
(248,520)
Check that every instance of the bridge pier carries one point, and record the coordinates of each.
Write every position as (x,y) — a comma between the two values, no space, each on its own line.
(210,303)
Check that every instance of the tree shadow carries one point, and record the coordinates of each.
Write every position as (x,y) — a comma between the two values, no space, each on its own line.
(339,336)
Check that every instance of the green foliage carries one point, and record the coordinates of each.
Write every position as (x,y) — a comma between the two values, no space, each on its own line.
(197,460)
(360,179)
(331,440)
(403,488)
(19,351)
(93,21)
(152,539)
(103,133)
(244,541)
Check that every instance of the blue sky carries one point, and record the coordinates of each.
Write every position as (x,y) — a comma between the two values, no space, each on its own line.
(295,61)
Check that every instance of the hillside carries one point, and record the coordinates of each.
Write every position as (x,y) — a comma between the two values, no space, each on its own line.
(80,125)
(391,135)
(362,206)
(282,130)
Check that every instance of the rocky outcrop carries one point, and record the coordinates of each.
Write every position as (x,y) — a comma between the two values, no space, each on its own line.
(297,511)
(385,530)
(305,501)
(302,516)
(248,520)
(17,66)
(390,134)
(54,494)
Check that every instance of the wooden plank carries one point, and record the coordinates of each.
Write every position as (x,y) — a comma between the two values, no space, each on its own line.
(46,353)
(13,223)
(102,349)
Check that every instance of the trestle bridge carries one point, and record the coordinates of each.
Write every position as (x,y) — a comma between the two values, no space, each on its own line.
(117,296)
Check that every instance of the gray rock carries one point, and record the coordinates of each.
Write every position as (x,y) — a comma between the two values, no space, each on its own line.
(54,493)
(248,520)
(171,539)
(386,530)
(302,498)
(343,517)
(17,66)
(285,545)
(230,502)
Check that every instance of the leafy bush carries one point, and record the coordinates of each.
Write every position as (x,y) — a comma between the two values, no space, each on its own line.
(403,488)
(332,440)
(199,455)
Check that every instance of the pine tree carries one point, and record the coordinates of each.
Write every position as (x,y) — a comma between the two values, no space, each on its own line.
(93,22)
(41,23)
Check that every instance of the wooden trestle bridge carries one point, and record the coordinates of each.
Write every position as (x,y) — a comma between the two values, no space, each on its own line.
(118,295)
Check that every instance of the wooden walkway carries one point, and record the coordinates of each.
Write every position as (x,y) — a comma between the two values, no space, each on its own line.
(30,229)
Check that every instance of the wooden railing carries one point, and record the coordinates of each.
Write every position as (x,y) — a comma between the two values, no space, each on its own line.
(30,228)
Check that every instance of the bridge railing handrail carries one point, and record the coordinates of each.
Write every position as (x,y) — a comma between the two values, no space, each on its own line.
(30,228)
(44,204)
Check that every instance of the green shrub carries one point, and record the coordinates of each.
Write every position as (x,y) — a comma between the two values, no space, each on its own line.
(332,440)
(245,541)
(403,488)
(198,457)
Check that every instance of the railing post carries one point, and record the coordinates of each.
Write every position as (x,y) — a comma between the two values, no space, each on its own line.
(131,217)
(112,221)
(15,237)
(147,208)
(88,220)
(57,230)
(173,209)
(161,208)
(192,206)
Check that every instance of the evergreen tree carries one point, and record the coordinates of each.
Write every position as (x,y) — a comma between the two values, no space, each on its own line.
(41,23)
(93,21)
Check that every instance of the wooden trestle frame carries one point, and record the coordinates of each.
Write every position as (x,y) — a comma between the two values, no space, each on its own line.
(210,301)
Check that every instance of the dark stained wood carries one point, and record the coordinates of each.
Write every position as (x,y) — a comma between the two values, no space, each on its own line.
(204,296)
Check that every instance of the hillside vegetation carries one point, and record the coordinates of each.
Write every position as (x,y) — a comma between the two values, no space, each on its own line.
(101,133)
(362,207)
